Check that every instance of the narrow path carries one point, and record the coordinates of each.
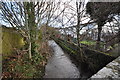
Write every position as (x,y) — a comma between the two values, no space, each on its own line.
(59,65)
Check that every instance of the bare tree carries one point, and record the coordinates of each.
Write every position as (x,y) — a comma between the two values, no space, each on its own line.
(80,6)
(102,13)
(27,17)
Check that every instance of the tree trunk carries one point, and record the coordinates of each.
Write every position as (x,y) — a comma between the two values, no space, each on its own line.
(80,51)
(119,38)
(32,29)
(30,20)
(119,34)
(99,37)
(30,45)
(30,48)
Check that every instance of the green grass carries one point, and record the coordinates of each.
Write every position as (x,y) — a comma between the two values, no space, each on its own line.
(88,42)
(92,43)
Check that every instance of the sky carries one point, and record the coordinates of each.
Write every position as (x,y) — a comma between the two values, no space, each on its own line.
(56,24)
(69,11)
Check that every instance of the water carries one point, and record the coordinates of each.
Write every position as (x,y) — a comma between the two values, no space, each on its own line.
(59,65)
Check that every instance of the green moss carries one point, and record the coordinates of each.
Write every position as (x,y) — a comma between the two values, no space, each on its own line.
(10,40)
(95,59)
(70,50)
(88,42)
(66,47)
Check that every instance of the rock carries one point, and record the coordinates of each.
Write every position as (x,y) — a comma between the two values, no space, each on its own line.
(111,71)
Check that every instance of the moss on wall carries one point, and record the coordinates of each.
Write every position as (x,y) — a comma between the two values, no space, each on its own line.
(0,40)
(10,40)
(95,59)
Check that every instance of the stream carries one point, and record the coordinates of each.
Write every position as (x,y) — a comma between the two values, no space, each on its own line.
(60,65)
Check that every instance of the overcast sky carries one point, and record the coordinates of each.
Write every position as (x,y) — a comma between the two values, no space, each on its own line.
(56,24)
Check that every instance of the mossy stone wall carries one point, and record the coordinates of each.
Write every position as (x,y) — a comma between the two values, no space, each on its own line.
(95,59)
(11,39)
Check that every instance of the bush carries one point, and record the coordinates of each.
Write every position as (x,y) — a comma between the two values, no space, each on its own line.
(22,67)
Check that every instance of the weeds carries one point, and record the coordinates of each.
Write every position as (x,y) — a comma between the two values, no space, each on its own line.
(20,66)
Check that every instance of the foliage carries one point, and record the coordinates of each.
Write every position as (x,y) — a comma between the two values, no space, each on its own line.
(101,11)
(92,44)
(39,35)
(34,47)
(48,31)
(23,67)
(20,66)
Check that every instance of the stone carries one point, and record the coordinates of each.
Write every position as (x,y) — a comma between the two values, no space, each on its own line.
(110,71)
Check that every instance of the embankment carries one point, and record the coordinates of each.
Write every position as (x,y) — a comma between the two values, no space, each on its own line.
(95,59)
(10,39)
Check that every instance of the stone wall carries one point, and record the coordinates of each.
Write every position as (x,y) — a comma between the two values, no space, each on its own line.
(95,60)
(111,71)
